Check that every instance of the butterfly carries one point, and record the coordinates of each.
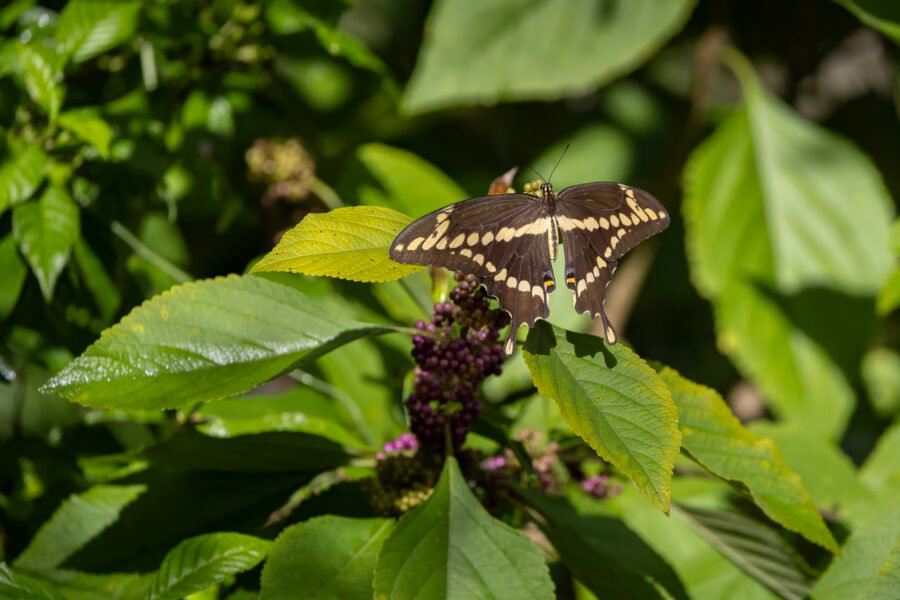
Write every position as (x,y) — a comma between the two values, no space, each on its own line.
(509,242)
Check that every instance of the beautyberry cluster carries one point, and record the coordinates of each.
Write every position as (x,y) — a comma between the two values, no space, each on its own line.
(457,350)
(598,486)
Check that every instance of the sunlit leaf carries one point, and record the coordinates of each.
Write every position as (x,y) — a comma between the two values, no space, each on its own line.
(325,557)
(203,341)
(12,275)
(534,50)
(18,586)
(22,170)
(869,568)
(883,15)
(45,231)
(450,547)
(754,547)
(604,554)
(349,243)
(199,562)
(405,181)
(87,28)
(611,398)
(77,521)
(42,78)
(714,437)
(89,127)
(787,225)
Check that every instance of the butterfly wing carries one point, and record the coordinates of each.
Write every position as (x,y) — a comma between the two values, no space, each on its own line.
(600,222)
(508,241)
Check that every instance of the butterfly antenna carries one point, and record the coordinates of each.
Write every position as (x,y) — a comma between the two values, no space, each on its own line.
(557,162)
(541,177)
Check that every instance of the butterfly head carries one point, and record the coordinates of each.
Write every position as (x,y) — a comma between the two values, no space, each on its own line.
(539,188)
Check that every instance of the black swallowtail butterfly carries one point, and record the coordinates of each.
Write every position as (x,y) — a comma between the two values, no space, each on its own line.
(509,241)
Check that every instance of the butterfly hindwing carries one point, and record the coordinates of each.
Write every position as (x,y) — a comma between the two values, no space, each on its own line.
(508,241)
(600,222)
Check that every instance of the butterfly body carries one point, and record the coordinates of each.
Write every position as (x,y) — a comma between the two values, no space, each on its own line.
(509,242)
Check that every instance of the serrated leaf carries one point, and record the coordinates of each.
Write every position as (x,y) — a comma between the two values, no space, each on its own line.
(325,557)
(197,563)
(75,585)
(406,182)
(18,586)
(12,275)
(869,568)
(613,400)
(882,15)
(45,231)
(754,547)
(89,127)
(348,243)
(714,437)
(204,341)
(787,225)
(78,520)
(21,172)
(534,50)
(605,554)
(42,78)
(450,547)
(87,28)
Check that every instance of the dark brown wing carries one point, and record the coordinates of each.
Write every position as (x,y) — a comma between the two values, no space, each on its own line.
(508,241)
(600,222)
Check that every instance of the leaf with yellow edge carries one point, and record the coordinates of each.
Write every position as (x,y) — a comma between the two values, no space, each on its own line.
(347,243)
(714,437)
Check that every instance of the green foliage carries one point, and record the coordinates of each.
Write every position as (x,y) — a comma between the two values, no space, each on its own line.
(18,586)
(519,49)
(784,223)
(451,547)
(76,522)
(715,438)
(21,172)
(87,28)
(880,14)
(197,563)
(613,400)
(45,231)
(225,348)
(339,558)
(348,243)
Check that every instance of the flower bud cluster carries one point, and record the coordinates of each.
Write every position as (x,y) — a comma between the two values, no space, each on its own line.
(457,349)
(285,167)
(598,486)
(401,482)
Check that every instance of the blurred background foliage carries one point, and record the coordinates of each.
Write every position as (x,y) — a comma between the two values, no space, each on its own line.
(149,142)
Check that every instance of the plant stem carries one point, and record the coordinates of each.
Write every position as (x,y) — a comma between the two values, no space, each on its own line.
(147,254)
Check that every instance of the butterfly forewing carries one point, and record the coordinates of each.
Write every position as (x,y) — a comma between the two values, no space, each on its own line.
(508,241)
(600,222)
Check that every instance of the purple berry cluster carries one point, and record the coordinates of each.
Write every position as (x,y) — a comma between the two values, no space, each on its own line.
(598,486)
(407,442)
(457,349)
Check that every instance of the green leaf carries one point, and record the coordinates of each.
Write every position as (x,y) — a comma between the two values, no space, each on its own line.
(325,557)
(45,231)
(754,547)
(89,127)
(714,437)
(450,547)
(605,554)
(21,172)
(16,586)
(881,374)
(880,473)
(889,298)
(869,568)
(75,585)
(786,224)
(827,473)
(97,280)
(348,243)
(883,15)
(204,341)
(534,49)
(12,275)
(405,181)
(87,28)
(612,399)
(78,520)
(199,562)
(42,78)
